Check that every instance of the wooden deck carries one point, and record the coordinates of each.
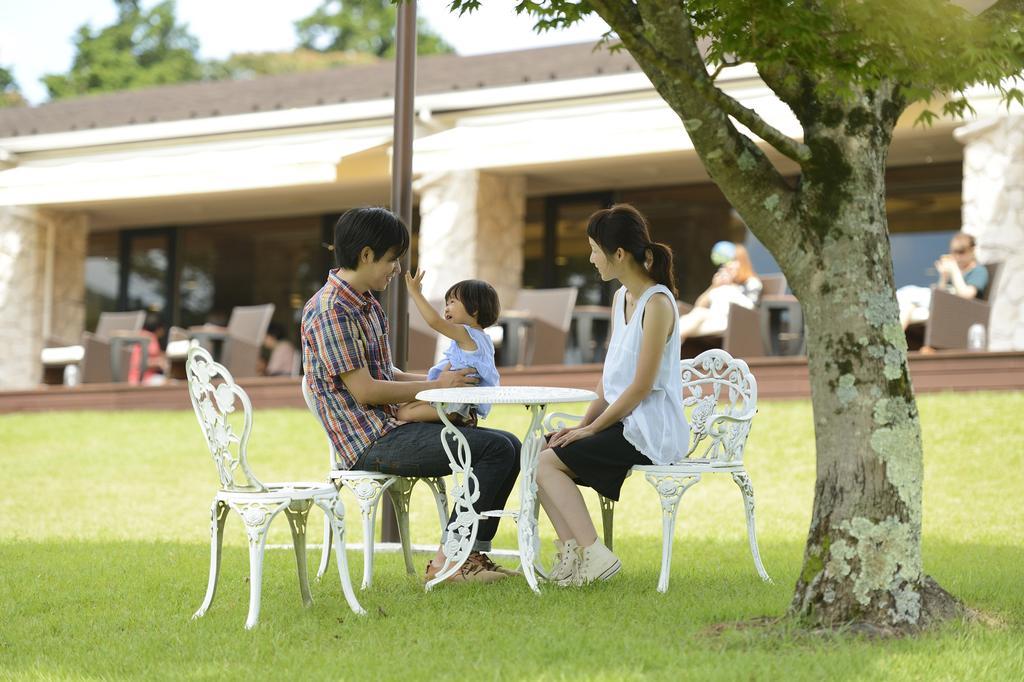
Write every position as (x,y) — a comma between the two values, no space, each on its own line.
(777,378)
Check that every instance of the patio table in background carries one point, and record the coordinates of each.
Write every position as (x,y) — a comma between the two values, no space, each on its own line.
(517,326)
(584,317)
(462,531)
(121,339)
(782,324)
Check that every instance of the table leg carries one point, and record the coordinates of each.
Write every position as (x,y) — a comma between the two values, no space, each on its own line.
(465,491)
(529,540)
(510,344)
(116,370)
(585,337)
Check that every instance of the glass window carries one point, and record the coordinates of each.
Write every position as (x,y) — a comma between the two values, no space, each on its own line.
(102,276)
(922,205)
(690,219)
(225,265)
(148,265)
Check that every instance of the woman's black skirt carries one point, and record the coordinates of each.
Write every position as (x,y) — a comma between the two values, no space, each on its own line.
(602,461)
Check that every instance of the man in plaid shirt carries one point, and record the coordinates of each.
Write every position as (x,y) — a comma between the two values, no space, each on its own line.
(347,362)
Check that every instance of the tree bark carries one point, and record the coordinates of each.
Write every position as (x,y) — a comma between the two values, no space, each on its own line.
(862,562)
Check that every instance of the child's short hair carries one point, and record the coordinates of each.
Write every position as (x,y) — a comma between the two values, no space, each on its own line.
(377,228)
(479,298)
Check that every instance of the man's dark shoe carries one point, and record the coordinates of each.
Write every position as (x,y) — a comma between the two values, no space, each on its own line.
(488,564)
(470,572)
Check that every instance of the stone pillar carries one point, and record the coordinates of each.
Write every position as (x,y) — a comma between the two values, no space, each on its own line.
(472,227)
(35,307)
(993,211)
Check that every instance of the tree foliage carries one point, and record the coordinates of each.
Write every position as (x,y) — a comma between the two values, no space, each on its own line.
(246,65)
(362,26)
(931,48)
(10,93)
(141,48)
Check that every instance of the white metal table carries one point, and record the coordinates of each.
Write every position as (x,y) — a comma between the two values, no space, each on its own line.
(463,530)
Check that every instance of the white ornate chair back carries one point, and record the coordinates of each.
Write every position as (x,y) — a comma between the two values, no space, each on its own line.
(215,396)
(719,397)
(307,395)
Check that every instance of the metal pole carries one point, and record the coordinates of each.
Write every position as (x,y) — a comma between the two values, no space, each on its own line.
(396,302)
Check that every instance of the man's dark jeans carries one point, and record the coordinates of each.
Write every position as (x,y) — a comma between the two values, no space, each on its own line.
(415,450)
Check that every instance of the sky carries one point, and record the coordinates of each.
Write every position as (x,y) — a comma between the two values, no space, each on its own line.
(35,35)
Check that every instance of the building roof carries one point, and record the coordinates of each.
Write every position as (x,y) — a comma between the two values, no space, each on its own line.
(434,74)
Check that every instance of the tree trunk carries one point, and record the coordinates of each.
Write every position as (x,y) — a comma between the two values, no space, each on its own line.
(862,562)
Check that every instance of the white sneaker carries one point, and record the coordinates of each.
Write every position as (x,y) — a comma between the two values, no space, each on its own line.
(566,560)
(597,563)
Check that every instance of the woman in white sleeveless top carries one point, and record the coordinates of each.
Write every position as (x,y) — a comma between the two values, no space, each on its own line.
(638,415)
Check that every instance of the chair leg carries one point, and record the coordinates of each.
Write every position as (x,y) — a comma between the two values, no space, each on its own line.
(257,517)
(436,484)
(400,493)
(607,519)
(297,514)
(367,492)
(743,481)
(218,514)
(325,552)
(335,512)
(670,488)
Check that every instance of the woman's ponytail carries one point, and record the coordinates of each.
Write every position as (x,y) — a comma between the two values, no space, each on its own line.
(623,227)
(662,270)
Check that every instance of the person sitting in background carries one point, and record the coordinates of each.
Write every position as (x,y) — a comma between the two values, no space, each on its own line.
(734,282)
(959,273)
(283,356)
(155,369)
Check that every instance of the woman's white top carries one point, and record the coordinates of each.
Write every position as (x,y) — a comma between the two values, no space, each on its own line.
(657,426)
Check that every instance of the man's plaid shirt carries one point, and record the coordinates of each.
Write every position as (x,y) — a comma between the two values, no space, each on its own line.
(343,330)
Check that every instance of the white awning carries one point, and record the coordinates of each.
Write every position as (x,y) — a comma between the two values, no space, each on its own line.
(185,168)
(631,127)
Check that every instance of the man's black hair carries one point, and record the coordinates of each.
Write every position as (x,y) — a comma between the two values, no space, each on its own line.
(478,298)
(377,228)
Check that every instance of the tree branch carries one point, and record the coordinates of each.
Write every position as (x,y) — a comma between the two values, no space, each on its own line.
(687,55)
(786,145)
(663,43)
(724,65)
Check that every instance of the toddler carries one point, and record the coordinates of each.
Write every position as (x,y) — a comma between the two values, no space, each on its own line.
(469,306)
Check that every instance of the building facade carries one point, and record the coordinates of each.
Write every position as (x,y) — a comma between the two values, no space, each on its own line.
(191,199)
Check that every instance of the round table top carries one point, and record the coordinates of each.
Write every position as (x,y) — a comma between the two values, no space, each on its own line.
(506,395)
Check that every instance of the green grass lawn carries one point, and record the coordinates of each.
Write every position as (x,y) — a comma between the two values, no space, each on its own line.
(104,555)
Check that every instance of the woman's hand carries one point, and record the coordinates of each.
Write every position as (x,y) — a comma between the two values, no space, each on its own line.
(414,281)
(566,436)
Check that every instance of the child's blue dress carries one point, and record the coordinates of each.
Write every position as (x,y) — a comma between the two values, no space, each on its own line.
(482,359)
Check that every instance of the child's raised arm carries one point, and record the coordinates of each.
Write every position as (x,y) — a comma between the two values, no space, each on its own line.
(455,332)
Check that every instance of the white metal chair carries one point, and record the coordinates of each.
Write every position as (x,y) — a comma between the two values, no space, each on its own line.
(368,486)
(256,502)
(720,398)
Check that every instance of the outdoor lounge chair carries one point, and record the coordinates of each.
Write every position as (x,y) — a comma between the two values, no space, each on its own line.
(215,396)
(950,316)
(720,398)
(550,314)
(240,341)
(94,355)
